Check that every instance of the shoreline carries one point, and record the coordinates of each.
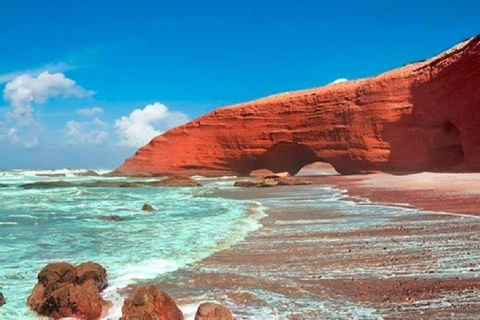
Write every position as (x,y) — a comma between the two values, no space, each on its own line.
(331,262)
(457,193)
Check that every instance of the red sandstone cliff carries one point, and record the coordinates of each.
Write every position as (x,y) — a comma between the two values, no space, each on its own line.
(423,116)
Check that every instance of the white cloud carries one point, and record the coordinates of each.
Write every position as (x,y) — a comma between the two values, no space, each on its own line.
(8,135)
(339,80)
(25,90)
(52,68)
(14,137)
(143,124)
(90,112)
(83,133)
(100,123)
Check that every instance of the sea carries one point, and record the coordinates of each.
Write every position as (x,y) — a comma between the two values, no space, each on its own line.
(40,226)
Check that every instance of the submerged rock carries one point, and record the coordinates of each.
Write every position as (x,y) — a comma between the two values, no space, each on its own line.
(3,185)
(89,173)
(64,290)
(150,303)
(147,207)
(111,184)
(111,218)
(47,184)
(2,299)
(176,181)
(213,311)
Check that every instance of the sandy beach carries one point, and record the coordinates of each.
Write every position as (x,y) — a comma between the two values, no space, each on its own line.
(320,255)
(443,192)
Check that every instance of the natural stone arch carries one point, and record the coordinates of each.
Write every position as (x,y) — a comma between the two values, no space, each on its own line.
(318,168)
(285,157)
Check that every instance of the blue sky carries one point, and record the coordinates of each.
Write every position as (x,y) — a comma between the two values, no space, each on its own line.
(120,72)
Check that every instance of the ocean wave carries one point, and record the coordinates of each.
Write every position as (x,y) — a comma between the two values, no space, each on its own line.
(7,223)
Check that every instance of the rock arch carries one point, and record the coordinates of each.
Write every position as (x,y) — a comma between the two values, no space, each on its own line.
(285,157)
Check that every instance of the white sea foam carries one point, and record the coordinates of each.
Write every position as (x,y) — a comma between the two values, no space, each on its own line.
(123,276)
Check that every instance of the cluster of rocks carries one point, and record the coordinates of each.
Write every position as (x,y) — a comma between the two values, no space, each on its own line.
(173,181)
(64,290)
(272,180)
(67,291)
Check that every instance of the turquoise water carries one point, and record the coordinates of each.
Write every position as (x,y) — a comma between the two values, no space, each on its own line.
(41,226)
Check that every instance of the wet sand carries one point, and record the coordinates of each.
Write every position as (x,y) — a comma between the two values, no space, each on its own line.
(319,255)
(444,192)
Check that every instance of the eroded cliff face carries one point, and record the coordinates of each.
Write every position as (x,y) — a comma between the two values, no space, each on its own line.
(421,117)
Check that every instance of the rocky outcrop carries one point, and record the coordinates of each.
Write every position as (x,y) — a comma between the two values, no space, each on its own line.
(176,181)
(213,311)
(47,185)
(423,116)
(88,173)
(150,303)
(272,181)
(147,207)
(64,290)
(113,218)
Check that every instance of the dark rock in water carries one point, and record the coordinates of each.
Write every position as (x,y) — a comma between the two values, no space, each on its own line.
(289,181)
(3,185)
(64,290)
(147,207)
(149,303)
(111,184)
(175,181)
(213,311)
(2,299)
(247,183)
(47,184)
(89,173)
(268,183)
(111,218)
(282,179)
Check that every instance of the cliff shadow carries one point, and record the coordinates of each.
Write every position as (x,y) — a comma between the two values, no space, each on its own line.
(285,157)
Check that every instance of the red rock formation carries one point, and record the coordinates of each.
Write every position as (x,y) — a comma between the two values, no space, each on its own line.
(423,116)
(149,303)
(67,291)
(213,311)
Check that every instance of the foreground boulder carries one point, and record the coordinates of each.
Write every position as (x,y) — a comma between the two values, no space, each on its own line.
(213,311)
(176,181)
(150,303)
(64,290)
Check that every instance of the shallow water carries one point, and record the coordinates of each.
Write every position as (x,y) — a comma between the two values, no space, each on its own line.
(38,226)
